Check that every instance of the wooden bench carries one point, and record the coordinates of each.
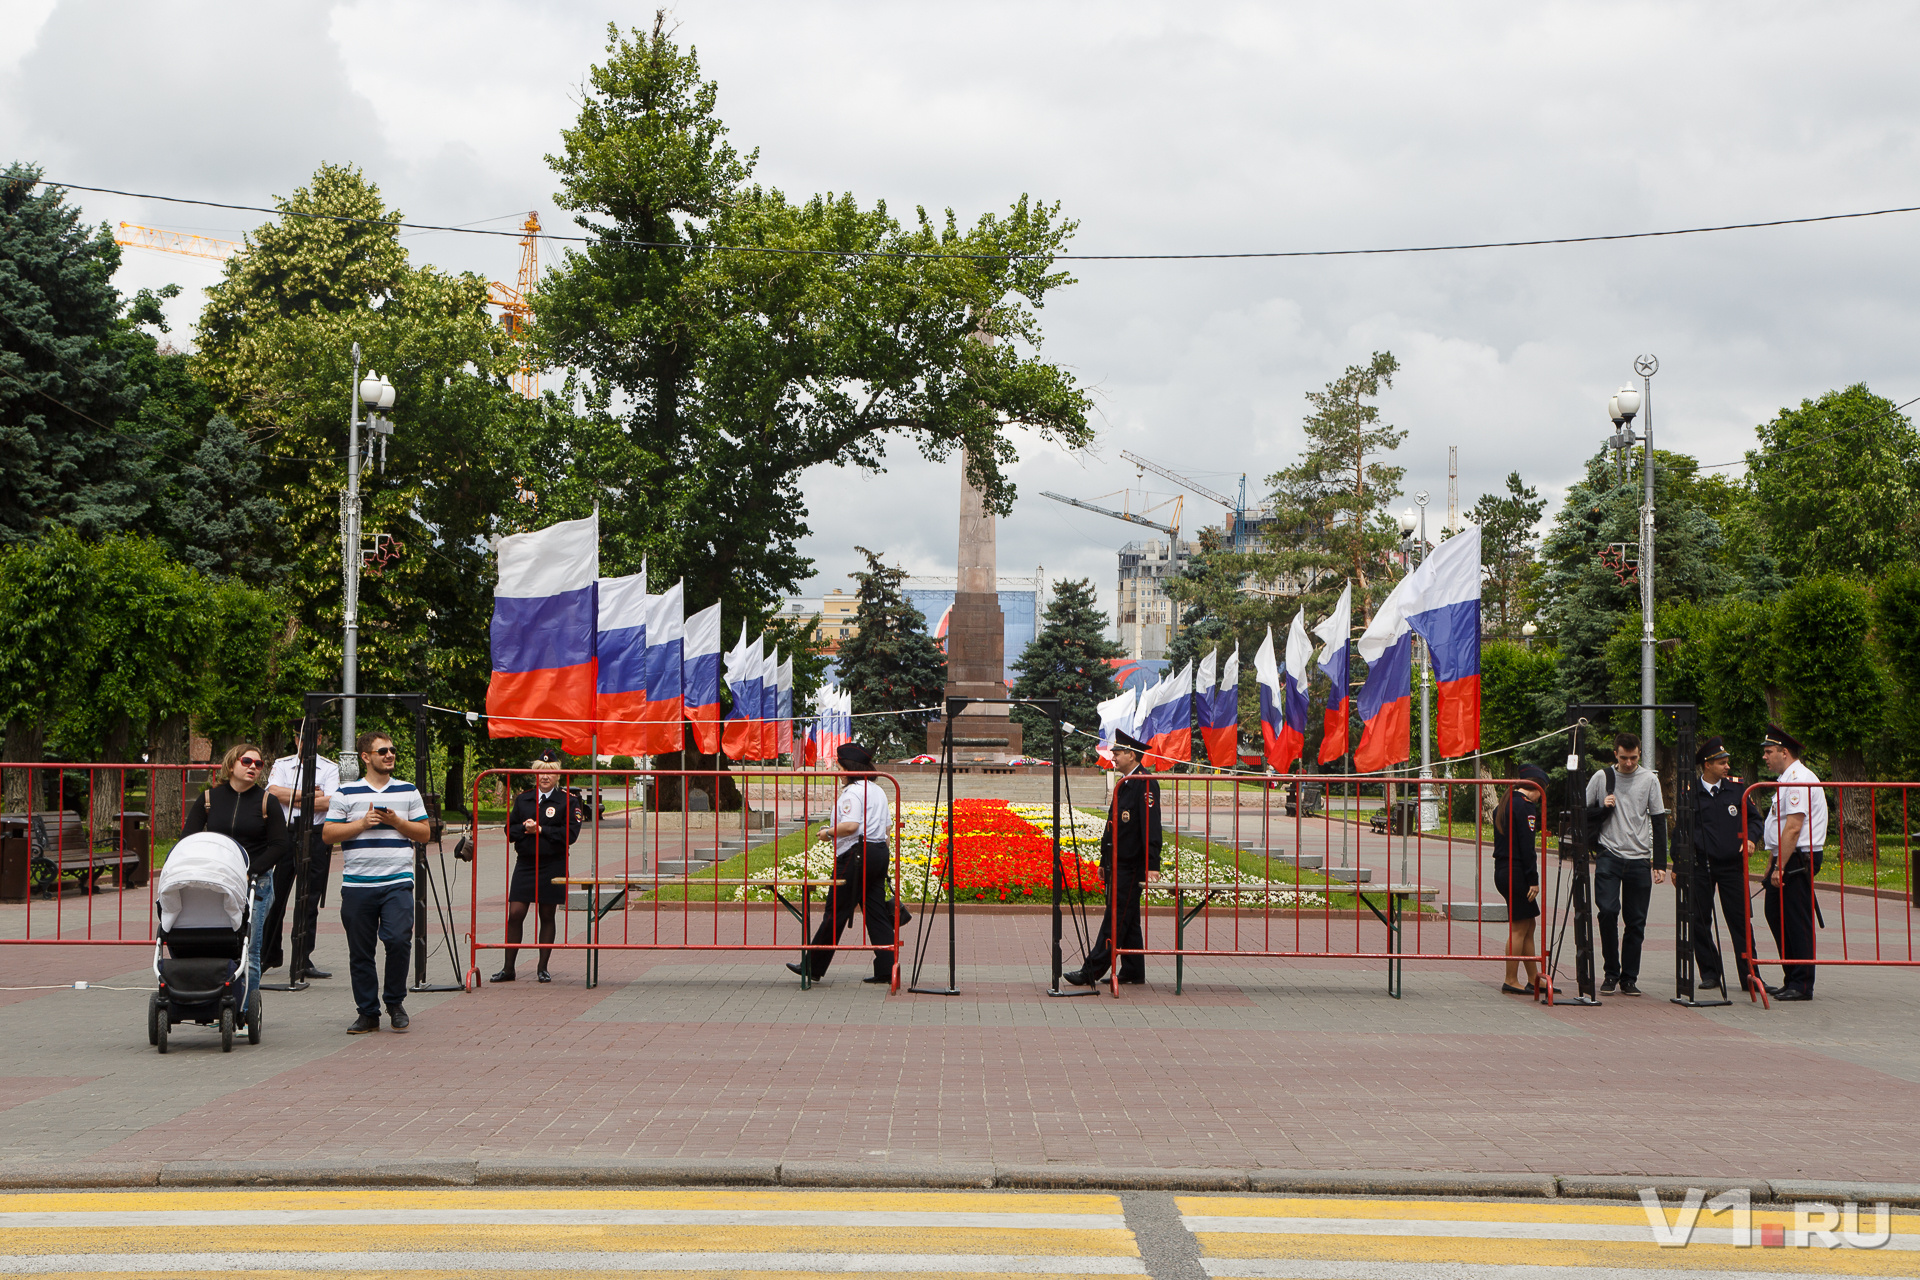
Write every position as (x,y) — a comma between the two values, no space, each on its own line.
(633,884)
(57,845)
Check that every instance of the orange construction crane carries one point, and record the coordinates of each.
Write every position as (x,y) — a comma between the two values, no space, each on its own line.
(137,237)
(514,308)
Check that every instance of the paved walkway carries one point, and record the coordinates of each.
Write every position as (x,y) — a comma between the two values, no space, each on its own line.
(1262,1064)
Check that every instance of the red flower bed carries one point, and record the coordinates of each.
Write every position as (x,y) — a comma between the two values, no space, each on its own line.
(999,856)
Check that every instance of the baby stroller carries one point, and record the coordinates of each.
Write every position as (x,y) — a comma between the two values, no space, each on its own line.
(200,957)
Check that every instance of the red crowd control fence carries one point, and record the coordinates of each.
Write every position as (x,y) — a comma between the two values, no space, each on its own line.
(78,844)
(1300,866)
(1853,902)
(676,860)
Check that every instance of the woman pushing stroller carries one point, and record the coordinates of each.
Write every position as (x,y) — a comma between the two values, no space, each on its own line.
(236,804)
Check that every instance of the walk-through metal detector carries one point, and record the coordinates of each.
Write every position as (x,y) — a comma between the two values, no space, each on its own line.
(424,884)
(1578,843)
(1053,710)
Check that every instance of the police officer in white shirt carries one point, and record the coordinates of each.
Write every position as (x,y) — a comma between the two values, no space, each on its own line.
(1796,837)
(283,784)
(862,820)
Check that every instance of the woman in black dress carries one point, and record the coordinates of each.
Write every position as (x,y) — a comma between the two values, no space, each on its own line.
(1516,874)
(236,804)
(544,822)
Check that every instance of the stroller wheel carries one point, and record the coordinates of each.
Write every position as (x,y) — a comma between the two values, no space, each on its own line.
(256,1011)
(154,1014)
(160,1029)
(226,1029)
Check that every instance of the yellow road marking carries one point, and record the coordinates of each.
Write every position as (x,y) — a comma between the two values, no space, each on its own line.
(1553,1253)
(582,1198)
(545,1273)
(825,1238)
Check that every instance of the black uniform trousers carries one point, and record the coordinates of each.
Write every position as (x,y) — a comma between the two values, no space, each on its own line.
(865,888)
(1728,877)
(1622,883)
(1790,916)
(1125,911)
(319,866)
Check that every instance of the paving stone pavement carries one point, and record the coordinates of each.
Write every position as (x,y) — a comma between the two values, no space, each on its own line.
(1281,1064)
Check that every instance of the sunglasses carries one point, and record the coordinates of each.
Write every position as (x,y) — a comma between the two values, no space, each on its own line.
(383,751)
(248,762)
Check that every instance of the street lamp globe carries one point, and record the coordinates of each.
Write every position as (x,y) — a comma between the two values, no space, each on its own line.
(1613,412)
(370,389)
(1628,400)
(1408,523)
(386,394)
(1529,630)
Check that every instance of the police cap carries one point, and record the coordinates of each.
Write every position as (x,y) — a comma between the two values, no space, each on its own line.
(1712,749)
(1778,737)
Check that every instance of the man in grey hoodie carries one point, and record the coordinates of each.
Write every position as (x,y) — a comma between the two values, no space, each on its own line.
(1633,858)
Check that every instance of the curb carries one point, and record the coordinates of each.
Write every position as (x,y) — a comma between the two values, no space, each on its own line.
(570,1171)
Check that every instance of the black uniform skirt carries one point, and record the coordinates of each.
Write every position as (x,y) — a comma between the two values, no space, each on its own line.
(1519,905)
(526,874)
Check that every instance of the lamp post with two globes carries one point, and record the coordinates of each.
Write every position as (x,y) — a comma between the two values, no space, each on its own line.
(1622,407)
(376,393)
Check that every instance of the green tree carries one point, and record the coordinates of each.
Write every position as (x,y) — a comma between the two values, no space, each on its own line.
(1896,611)
(1519,700)
(1331,521)
(1507,544)
(891,663)
(734,372)
(1067,659)
(1837,483)
(1587,587)
(63,377)
(1736,676)
(45,598)
(1833,694)
(218,515)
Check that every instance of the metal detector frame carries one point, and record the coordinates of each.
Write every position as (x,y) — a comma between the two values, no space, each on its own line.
(1684,855)
(423,883)
(1054,710)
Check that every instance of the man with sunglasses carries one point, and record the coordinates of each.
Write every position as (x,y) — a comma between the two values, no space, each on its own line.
(377,821)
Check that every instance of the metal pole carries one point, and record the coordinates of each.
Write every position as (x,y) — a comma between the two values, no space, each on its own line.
(1647,366)
(350,568)
(1426,702)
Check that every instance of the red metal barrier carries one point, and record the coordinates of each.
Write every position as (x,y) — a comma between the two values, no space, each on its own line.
(1262,875)
(689,877)
(79,827)
(1864,891)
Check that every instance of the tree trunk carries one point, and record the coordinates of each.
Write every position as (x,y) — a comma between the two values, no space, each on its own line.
(167,789)
(1856,808)
(456,788)
(109,786)
(25,743)
(667,792)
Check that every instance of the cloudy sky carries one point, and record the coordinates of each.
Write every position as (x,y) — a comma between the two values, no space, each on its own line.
(1189,127)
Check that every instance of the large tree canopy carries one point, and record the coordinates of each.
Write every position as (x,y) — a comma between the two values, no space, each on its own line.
(733,371)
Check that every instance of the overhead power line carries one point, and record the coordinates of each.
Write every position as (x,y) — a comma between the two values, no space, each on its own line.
(996,257)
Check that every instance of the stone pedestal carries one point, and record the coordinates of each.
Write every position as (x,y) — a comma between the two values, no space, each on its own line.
(976,644)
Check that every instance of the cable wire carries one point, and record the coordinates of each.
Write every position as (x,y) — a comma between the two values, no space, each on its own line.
(778,250)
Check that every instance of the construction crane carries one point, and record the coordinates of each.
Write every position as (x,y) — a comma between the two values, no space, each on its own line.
(1173,546)
(1239,508)
(515,310)
(138,237)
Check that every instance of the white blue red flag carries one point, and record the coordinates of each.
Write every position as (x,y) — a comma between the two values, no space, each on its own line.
(770,704)
(1167,726)
(1337,632)
(1440,602)
(1293,704)
(543,640)
(740,737)
(1220,711)
(700,677)
(622,675)
(785,745)
(1117,714)
(1266,673)
(666,664)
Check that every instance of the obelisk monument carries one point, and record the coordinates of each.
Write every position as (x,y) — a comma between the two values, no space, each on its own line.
(976,643)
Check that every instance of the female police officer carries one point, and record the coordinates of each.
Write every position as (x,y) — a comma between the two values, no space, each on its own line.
(545,820)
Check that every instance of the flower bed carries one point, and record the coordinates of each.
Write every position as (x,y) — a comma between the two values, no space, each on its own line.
(1004,853)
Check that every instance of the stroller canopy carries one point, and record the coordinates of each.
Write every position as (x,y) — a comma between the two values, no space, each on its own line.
(203,884)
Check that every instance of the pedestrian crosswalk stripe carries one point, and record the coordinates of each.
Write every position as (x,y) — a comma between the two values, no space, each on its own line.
(1304,1269)
(1475,1230)
(1431,1211)
(698,1198)
(555,1217)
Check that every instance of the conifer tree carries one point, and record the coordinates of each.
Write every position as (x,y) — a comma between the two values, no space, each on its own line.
(890,663)
(1067,659)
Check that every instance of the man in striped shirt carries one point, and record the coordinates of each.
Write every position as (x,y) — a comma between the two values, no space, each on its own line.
(376,821)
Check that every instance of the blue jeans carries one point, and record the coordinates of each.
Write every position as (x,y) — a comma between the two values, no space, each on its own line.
(382,914)
(262,904)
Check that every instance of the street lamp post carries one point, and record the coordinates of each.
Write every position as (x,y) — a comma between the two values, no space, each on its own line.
(1624,405)
(1429,809)
(377,393)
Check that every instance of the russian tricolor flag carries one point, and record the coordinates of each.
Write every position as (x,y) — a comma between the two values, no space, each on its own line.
(1120,714)
(1439,601)
(544,620)
(1337,632)
(700,674)
(1293,702)
(770,705)
(741,736)
(1266,672)
(666,638)
(784,746)
(1220,710)
(622,649)
(1166,721)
